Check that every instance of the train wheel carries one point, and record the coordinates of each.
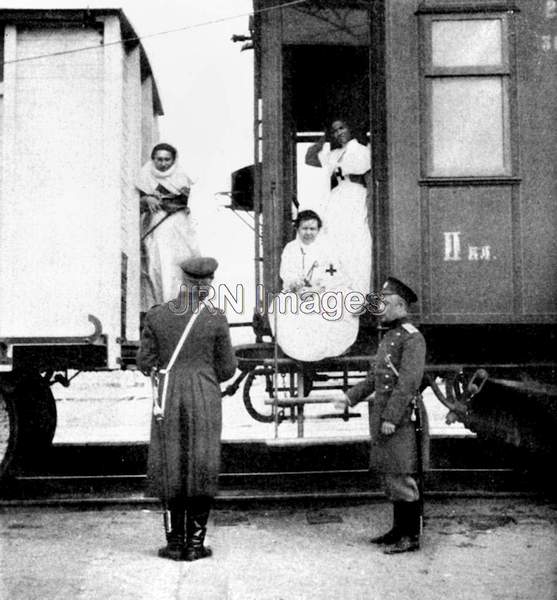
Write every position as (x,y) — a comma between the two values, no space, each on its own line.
(9,433)
(257,409)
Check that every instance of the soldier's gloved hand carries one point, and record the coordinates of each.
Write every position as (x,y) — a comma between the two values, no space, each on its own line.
(451,418)
(342,403)
(387,428)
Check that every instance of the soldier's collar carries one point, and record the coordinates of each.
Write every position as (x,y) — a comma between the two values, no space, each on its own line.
(396,323)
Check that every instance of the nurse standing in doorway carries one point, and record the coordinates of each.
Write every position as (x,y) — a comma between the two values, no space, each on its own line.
(345,221)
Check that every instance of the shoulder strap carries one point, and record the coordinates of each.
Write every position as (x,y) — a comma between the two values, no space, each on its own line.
(409,328)
(182,339)
(158,408)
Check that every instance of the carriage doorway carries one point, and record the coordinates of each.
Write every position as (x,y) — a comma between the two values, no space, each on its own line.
(323,83)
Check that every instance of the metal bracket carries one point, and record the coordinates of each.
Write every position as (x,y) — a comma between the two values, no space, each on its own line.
(97,333)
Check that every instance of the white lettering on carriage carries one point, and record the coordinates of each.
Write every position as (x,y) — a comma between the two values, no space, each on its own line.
(485,253)
(479,252)
(452,245)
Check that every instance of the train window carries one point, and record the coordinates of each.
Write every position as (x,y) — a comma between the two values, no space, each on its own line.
(466,43)
(467,126)
(467,81)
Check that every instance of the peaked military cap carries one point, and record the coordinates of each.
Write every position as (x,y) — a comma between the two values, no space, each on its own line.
(199,267)
(395,286)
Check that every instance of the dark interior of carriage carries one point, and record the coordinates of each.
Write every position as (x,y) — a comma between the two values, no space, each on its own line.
(326,82)
(321,84)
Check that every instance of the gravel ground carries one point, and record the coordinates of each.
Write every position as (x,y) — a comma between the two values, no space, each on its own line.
(473,550)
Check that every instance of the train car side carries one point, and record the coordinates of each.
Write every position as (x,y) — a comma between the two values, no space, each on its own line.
(462,199)
(79,110)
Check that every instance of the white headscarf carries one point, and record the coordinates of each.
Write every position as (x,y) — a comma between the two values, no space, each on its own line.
(173,179)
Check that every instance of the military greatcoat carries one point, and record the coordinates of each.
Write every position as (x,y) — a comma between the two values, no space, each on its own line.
(395,453)
(193,415)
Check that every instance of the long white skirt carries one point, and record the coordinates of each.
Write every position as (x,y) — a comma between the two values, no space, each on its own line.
(311,335)
(172,242)
(347,230)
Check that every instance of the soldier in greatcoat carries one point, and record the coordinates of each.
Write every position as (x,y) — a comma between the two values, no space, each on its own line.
(192,421)
(395,377)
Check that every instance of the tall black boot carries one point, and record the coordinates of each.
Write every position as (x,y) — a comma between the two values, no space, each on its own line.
(411,529)
(395,532)
(175,545)
(196,528)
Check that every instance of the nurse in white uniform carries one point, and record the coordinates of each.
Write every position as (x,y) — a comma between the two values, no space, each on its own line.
(346,226)
(310,314)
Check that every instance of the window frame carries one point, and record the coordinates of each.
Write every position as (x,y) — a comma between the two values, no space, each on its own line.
(430,73)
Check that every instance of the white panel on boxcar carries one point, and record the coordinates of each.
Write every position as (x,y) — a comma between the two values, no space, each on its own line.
(53,223)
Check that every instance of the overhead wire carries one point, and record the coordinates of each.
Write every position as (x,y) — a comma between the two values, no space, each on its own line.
(156,34)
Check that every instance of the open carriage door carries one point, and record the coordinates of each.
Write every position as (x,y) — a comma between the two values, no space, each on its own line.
(378,201)
(276,193)
(314,65)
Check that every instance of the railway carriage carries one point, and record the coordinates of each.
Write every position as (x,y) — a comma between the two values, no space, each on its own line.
(458,101)
(78,116)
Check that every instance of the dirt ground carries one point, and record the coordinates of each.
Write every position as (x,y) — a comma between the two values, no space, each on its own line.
(472,550)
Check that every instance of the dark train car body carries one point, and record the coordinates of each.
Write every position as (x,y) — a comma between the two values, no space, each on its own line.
(459,102)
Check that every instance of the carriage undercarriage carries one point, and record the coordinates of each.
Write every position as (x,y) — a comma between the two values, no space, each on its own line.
(497,401)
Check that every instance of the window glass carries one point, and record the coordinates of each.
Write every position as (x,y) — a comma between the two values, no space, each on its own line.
(463,43)
(467,126)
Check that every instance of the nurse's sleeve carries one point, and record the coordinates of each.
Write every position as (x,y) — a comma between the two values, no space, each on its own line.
(289,267)
(357,159)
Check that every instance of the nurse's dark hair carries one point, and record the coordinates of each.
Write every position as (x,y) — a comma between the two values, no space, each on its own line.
(357,129)
(307,215)
(167,147)
(343,118)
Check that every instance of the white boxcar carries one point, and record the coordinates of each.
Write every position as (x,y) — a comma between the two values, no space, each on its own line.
(78,115)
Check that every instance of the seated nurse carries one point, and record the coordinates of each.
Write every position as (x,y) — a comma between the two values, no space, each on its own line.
(307,264)
(309,315)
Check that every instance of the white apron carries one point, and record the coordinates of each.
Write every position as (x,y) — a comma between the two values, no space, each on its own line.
(346,218)
(319,326)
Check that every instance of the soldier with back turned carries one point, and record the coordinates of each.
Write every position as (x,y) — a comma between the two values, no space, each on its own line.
(184,454)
